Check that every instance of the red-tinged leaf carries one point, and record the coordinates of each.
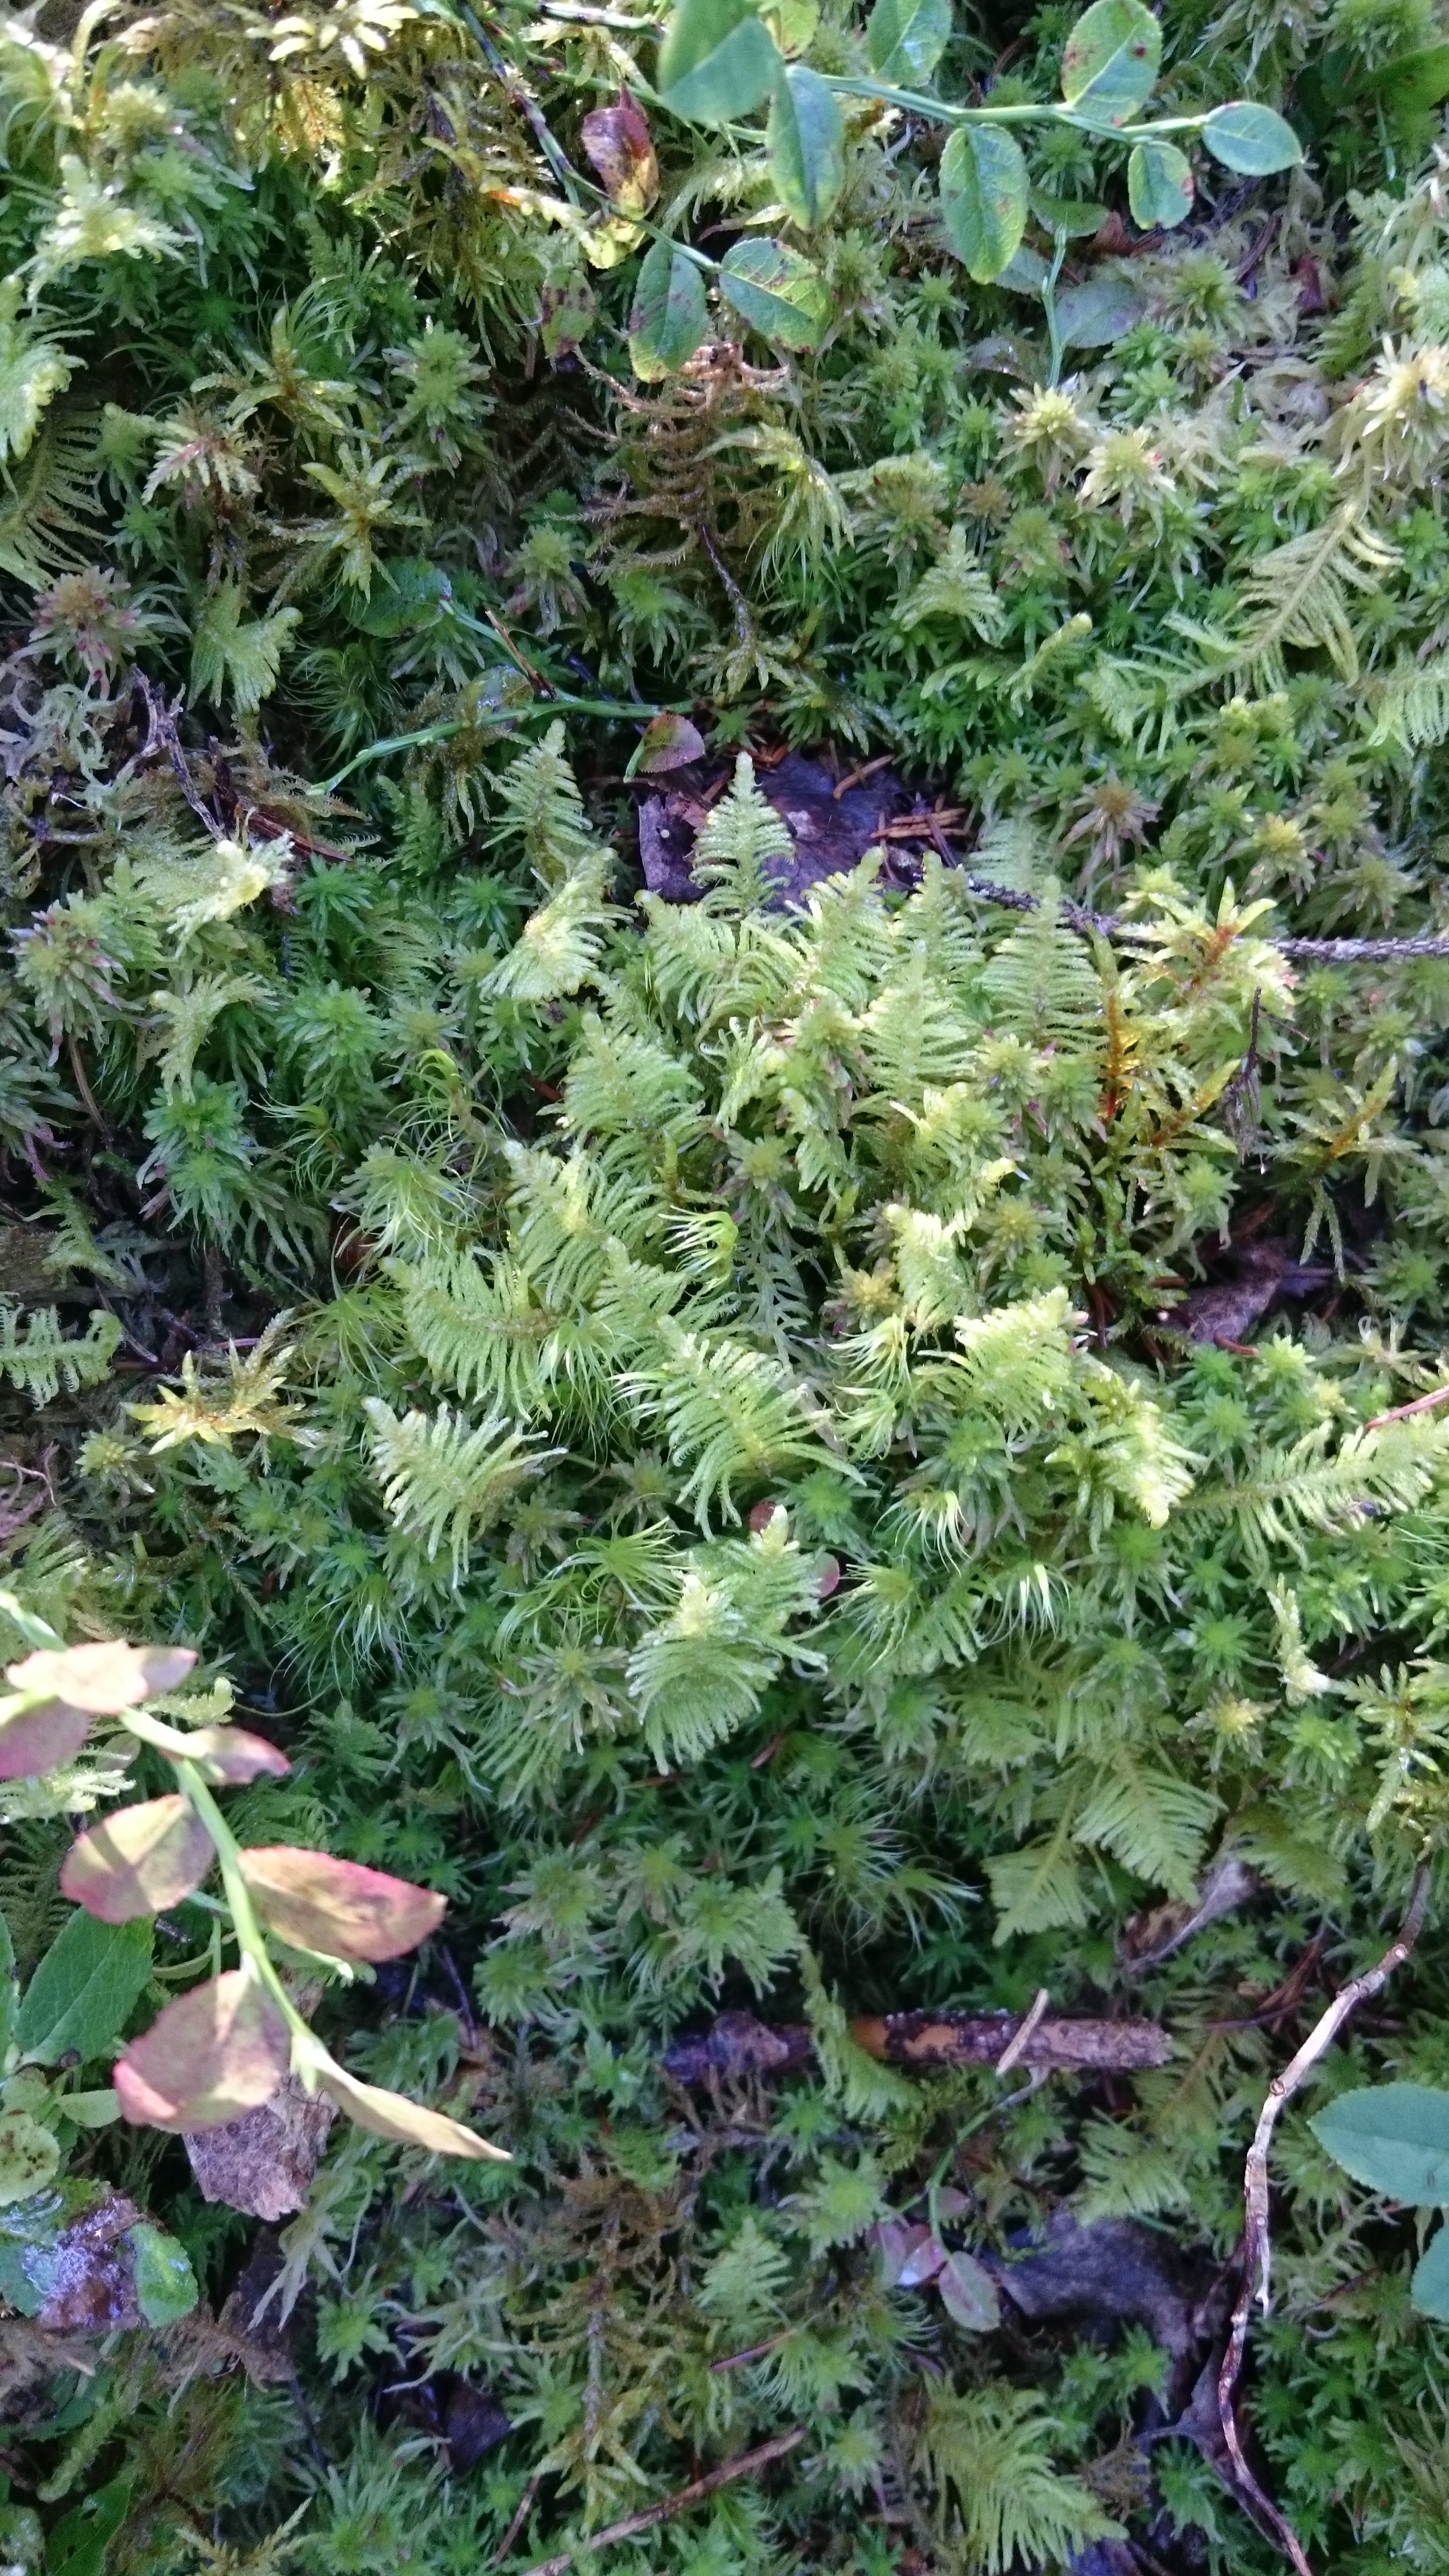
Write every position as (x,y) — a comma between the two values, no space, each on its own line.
(620,146)
(968,2294)
(828,1578)
(667,742)
(106,1678)
(40,1739)
(213,2054)
(762,1514)
(139,1861)
(337,1907)
(922,2260)
(908,2254)
(230,1756)
(408,2124)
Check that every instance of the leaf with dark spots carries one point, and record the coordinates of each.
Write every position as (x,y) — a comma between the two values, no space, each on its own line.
(620,147)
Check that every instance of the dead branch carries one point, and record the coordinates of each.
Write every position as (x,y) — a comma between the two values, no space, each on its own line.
(744,2465)
(162,735)
(1016,2047)
(1402,1412)
(927,2039)
(1303,952)
(1257,2238)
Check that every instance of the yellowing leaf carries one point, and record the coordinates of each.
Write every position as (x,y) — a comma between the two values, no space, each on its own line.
(408,2124)
(104,1679)
(338,1908)
(230,1755)
(621,148)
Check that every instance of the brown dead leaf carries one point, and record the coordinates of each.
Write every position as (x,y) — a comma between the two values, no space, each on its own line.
(264,2161)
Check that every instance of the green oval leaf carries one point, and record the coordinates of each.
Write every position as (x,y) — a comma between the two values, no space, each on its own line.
(165,2282)
(1429,2288)
(717,61)
(78,2544)
(1077,217)
(905,39)
(1251,139)
(807,146)
(29,2156)
(983,198)
(83,1990)
(1111,60)
(778,293)
(669,317)
(1412,84)
(1094,314)
(1394,2138)
(1160,186)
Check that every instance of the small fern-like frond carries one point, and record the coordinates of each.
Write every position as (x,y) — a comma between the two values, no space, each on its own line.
(443,1479)
(41,1360)
(47,502)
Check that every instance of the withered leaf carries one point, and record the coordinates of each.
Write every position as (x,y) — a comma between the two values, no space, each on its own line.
(408,2124)
(909,2253)
(621,148)
(336,1907)
(968,2293)
(139,1861)
(218,2051)
(88,2277)
(667,742)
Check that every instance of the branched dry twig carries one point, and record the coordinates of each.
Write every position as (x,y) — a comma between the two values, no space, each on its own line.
(1257,2239)
(743,2466)
(1306,952)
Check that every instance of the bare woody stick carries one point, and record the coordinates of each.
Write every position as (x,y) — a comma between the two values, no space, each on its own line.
(1257,2239)
(744,2465)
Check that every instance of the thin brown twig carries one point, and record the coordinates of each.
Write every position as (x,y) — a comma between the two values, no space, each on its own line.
(1308,952)
(1025,2031)
(1257,2238)
(1401,1412)
(743,2465)
(855,777)
(525,2506)
(754,2352)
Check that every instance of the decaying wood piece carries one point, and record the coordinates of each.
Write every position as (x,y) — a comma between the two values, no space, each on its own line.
(736,2044)
(928,2039)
